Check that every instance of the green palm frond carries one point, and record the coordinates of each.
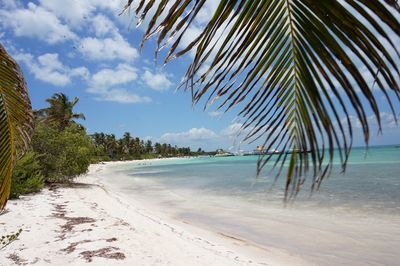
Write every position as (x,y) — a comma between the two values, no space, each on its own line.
(16,120)
(294,68)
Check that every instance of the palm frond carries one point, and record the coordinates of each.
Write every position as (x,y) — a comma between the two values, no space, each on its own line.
(16,120)
(293,66)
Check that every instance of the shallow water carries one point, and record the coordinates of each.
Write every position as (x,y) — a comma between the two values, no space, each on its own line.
(354,219)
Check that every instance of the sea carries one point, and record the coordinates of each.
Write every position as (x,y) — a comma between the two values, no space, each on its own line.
(353,219)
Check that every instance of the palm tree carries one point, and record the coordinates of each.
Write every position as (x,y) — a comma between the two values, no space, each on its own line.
(149,146)
(100,142)
(16,120)
(111,145)
(127,143)
(98,139)
(60,110)
(294,67)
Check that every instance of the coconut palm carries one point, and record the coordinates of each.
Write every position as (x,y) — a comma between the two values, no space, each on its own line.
(111,145)
(149,146)
(16,120)
(299,70)
(60,110)
(127,143)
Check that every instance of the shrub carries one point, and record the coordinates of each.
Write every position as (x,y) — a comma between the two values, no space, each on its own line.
(27,176)
(63,154)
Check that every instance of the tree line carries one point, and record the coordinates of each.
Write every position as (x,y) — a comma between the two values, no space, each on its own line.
(129,147)
(61,149)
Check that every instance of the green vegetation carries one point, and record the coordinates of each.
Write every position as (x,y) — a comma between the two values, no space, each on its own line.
(60,112)
(129,148)
(62,146)
(61,149)
(63,154)
(27,176)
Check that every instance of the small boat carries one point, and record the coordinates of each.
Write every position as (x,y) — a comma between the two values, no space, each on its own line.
(226,154)
(222,153)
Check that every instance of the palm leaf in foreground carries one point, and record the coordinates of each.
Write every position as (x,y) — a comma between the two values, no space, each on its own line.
(16,122)
(296,67)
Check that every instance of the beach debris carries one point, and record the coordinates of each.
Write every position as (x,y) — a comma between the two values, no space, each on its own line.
(8,239)
(17,259)
(71,248)
(103,253)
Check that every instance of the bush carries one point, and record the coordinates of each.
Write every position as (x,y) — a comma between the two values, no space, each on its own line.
(149,156)
(27,176)
(63,154)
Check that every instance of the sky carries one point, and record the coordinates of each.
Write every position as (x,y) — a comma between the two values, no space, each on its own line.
(85,49)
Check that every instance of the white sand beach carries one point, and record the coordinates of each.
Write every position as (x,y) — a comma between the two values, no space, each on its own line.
(89,223)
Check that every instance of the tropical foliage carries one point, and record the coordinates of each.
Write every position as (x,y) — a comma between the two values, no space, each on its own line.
(60,149)
(64,154)
(128,148)
(60,111)
(16,123)
(27,176)
(295,68)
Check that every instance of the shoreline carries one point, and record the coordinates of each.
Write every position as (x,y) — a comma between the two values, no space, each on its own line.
(88,222)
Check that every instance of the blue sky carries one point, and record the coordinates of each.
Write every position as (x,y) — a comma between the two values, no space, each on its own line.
(84,49)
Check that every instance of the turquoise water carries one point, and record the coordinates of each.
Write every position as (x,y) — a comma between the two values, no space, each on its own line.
(354,219)
(371,181)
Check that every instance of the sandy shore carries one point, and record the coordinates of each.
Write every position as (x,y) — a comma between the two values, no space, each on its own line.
(89,223)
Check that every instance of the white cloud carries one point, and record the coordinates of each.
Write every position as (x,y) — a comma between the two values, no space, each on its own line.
(10,4)
(107,77)
(48,68)
(116,48)
(156,81)
(194,134)
(35,21)
(235,133)
(233,130)
(103,26)
(105,85)
(118,95)
(388,121)
(207,12)
(114,6)
(215,114)
(74,12)
(79,72)
(231,137)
